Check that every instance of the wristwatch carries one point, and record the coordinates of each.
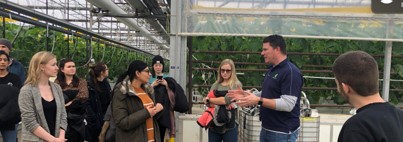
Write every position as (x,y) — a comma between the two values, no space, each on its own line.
(207,100)
(260,101)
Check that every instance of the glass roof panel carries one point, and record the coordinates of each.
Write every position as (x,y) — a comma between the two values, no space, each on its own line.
(80,13)
(338,19)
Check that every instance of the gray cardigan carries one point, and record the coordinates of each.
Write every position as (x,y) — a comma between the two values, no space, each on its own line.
(32,113)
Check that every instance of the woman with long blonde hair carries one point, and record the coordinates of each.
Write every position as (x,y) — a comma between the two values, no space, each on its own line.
(39,94)
(224,127)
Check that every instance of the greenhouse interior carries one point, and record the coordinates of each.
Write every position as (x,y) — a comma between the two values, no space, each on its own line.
(194,36)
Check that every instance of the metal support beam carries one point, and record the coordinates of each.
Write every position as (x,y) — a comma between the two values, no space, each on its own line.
(141,7)
(387,64)
(113,8)
(47,18)
(130,15)
(55,7)
(178,47)
(386,73)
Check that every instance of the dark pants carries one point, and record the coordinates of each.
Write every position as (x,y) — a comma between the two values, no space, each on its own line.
(162,132)
(73,136)
(9,135)
(228,136)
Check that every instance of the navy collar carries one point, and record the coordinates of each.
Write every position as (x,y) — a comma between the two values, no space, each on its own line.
(282,63)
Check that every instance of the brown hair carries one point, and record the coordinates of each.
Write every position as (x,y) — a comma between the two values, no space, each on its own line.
(359,70)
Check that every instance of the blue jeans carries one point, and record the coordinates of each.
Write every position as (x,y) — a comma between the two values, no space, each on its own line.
(269,136)
(228,136)
(9,135)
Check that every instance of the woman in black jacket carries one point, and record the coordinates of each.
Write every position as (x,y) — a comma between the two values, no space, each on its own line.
(75,95)
(99,99)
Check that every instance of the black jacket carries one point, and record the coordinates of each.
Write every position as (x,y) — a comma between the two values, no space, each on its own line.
(161,96)
(97,105)
(9,110)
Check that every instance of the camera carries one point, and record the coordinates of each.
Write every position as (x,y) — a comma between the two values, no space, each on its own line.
(159,77)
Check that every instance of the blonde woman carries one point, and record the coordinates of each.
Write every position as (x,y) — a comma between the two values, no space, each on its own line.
(224,127)
(39,94)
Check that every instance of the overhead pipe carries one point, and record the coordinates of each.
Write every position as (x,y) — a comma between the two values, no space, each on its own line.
(62,30)
(40,16)
(142,9)
(114,9)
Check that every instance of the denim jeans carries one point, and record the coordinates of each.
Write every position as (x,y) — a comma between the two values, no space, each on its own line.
(9,135)
(269,136)
(228,136)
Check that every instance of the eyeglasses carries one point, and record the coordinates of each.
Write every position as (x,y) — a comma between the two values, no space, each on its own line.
(226,70)
(148,71)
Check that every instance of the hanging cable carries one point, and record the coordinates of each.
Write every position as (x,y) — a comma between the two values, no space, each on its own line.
(103,54)
(18,33)
(89,48)
(54,42)
(113,54)
(121,57)
(75,42)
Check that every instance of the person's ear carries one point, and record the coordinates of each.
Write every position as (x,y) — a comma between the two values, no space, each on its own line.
(347,89)
(277,49)
(42,67)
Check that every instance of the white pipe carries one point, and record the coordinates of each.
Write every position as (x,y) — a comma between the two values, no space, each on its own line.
(288,36)
(113,8)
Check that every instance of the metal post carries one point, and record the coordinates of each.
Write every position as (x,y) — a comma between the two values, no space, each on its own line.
(4,27)
(178,45)
(189,68)
(386,70)
(387,64)
(47,28)
(68,35)
(177,51)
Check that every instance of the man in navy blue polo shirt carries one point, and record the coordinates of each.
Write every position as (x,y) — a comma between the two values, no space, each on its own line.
(281,93)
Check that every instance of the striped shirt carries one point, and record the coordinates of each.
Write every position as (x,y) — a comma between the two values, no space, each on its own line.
(149,122)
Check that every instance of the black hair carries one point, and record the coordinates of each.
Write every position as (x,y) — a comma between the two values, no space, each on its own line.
(134,66)
(4,53)
(276,41)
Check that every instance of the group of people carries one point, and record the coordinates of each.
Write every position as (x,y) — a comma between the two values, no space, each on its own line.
(68,109)
(75,109)
(279,100)
(12,76)
(140,106)
(357,78)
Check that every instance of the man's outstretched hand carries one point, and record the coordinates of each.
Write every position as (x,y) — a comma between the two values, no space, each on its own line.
(236,94)
(243,98)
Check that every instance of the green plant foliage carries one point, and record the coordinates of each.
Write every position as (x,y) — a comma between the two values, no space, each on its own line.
(32,39)
(314,57)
